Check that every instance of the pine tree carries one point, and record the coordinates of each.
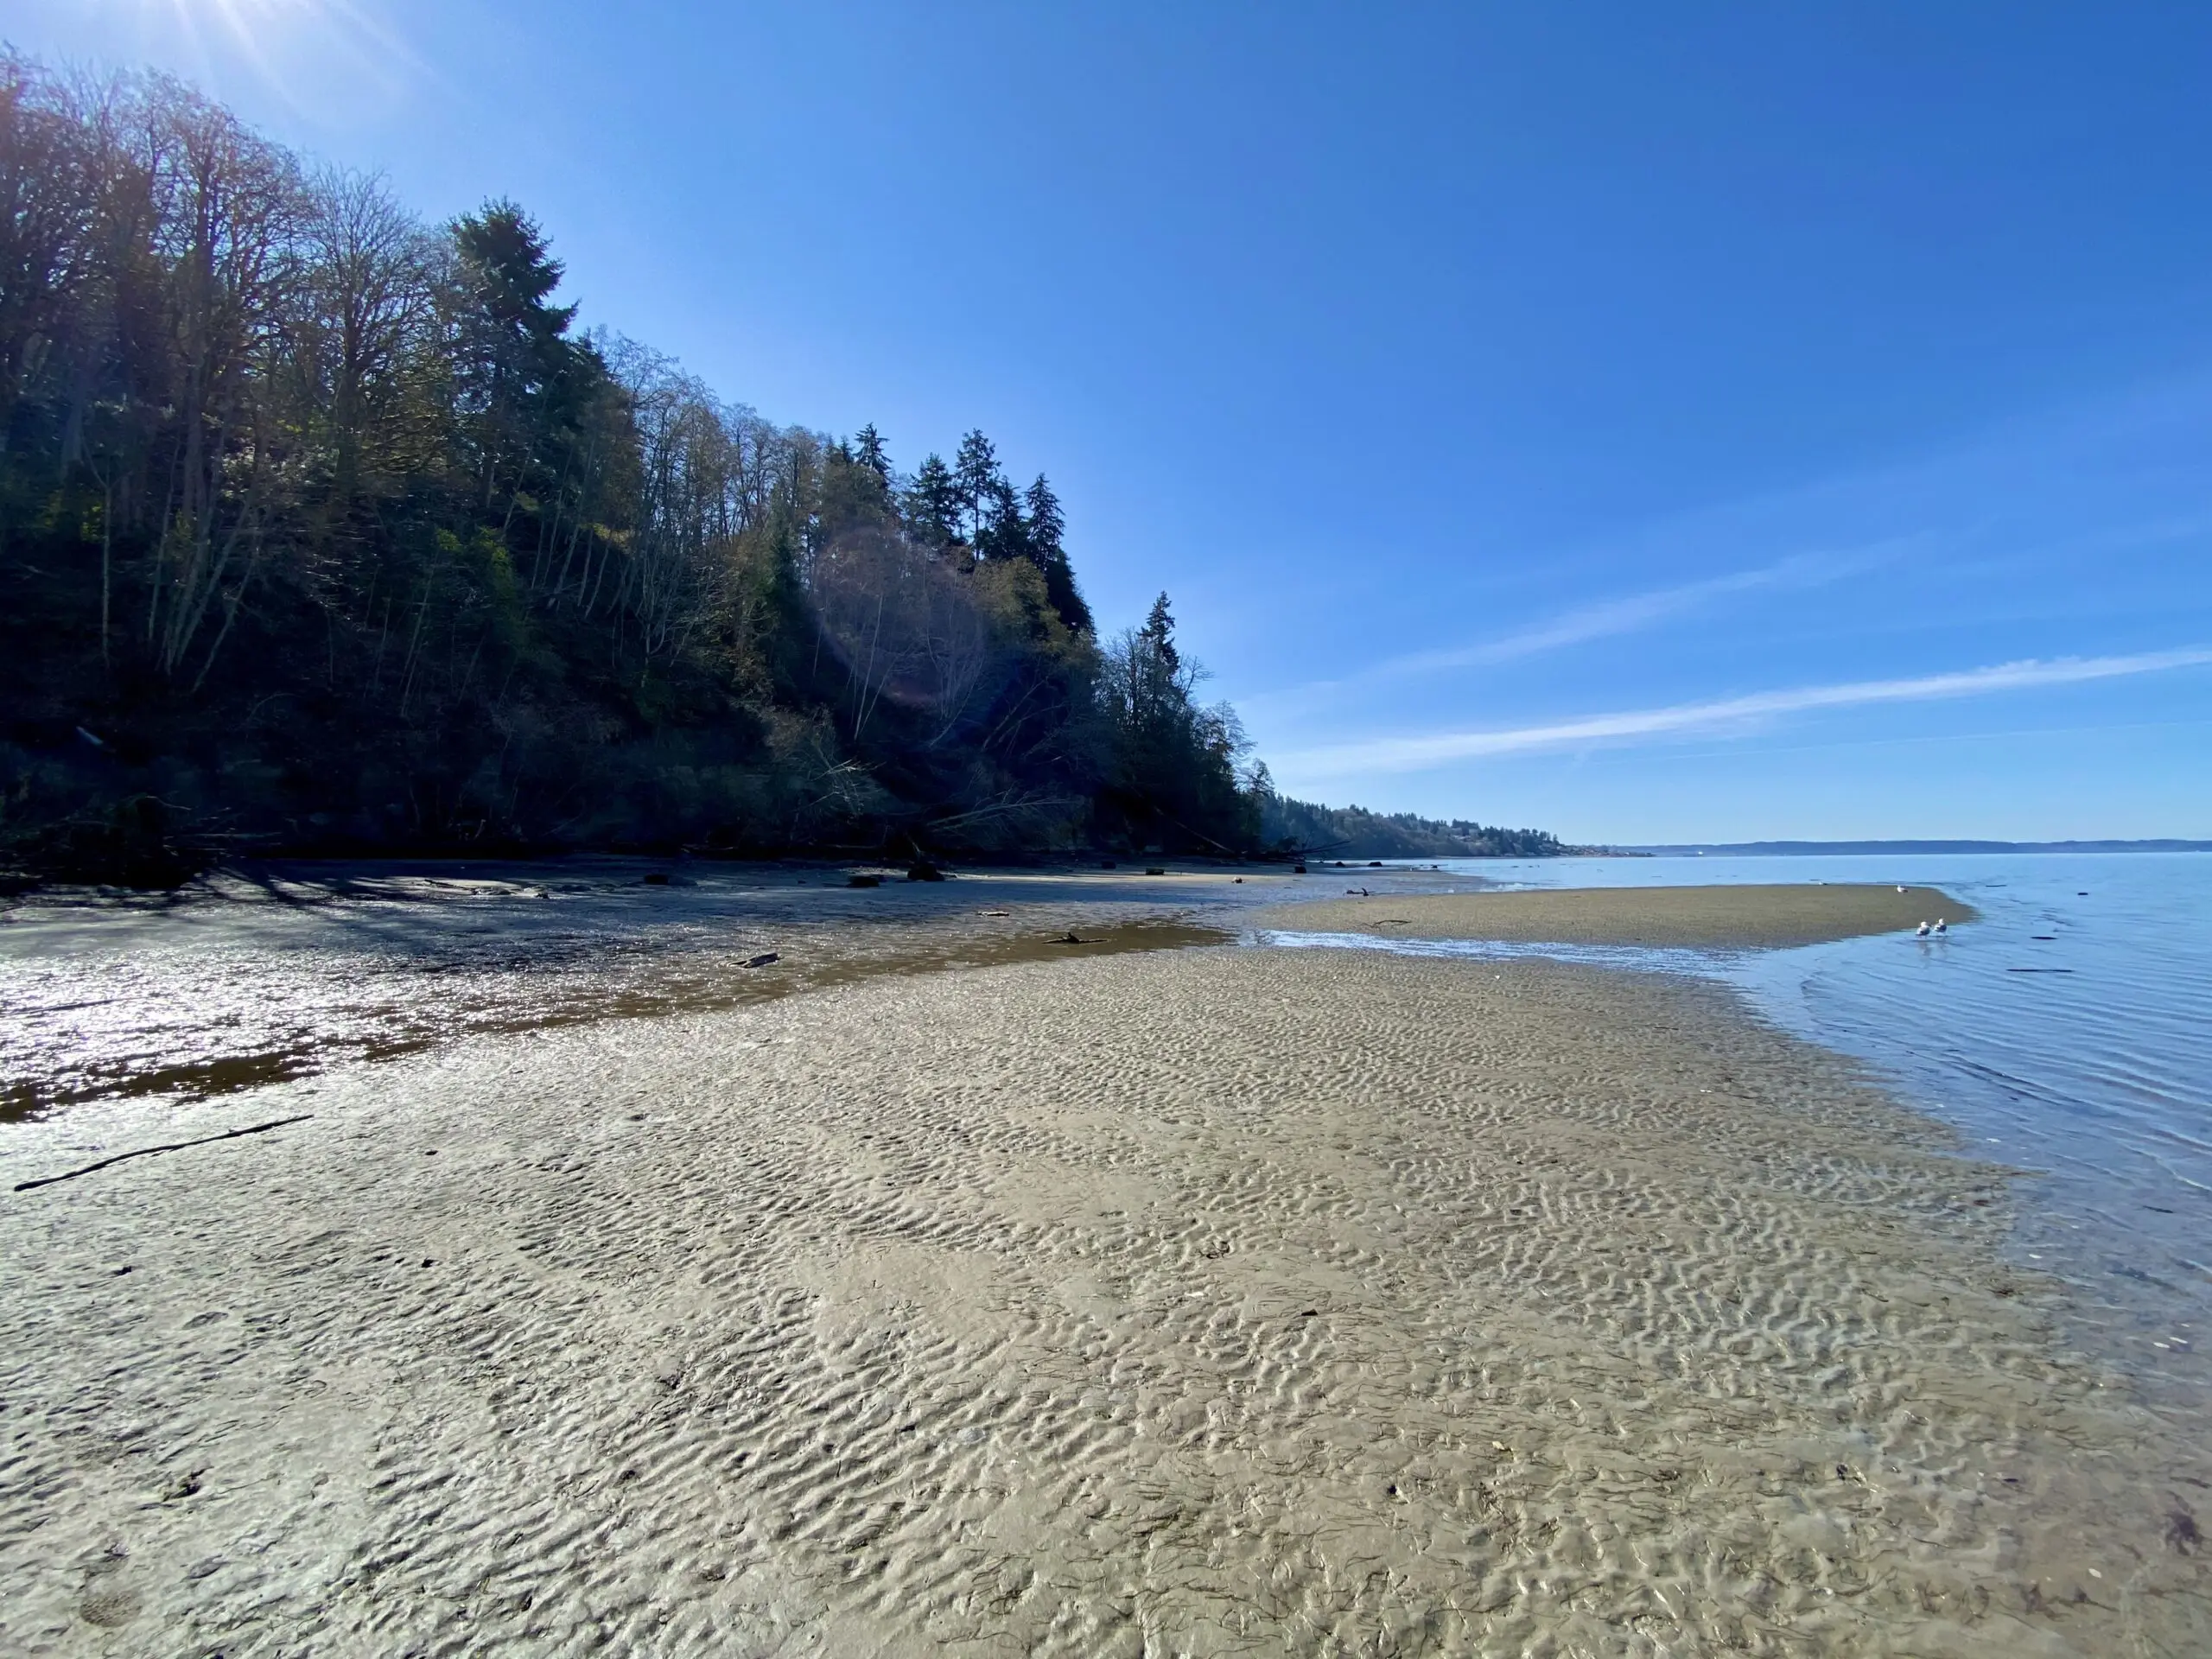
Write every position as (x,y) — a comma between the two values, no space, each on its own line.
(868,450)
(1045,524)
(514,358)
(1005,534)
(1159,632)
(933,504)
(976,470)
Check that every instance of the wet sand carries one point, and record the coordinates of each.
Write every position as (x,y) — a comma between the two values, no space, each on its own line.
(238,983)
(1717,917)
(1202,1302)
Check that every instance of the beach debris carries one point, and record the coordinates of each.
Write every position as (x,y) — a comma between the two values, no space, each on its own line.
(1069,938)
(1360,893)
(994,913)
(1240,881)
(863,881)
(655,879)
(167,1146)
(1298,869)
(1153,869)
(2182,1534)
(762,960)
(922,870)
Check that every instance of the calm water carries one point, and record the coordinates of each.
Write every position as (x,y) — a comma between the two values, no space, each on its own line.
(2069,1032)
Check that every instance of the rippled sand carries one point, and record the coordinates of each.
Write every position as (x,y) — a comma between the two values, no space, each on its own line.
(1714,917)
(1211,1301)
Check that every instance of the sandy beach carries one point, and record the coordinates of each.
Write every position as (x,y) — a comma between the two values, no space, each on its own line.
(1717,917)
(1205,1300)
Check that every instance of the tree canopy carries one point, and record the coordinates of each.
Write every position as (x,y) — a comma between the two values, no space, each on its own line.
(323,527)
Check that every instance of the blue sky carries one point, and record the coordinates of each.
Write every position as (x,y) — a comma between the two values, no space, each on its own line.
(1647,422)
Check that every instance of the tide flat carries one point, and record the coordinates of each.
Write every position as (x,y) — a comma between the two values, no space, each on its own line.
(1206,1300)
(1714,917)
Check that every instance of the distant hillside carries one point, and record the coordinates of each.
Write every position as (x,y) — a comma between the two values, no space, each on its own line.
(1354,832)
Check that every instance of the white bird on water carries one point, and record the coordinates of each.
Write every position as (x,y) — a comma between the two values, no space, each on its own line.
(1923,932)
(1942,927)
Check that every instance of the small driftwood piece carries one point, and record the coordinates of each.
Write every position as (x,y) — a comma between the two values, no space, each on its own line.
(169,1146)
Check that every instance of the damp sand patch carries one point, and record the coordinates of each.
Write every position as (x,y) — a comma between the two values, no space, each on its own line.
(192,1023)
(1717,917)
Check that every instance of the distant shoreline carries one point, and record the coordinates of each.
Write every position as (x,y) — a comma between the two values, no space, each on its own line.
(1834,848)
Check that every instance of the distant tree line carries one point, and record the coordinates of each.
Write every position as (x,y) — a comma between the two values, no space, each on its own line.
(325,528)
(1354,832)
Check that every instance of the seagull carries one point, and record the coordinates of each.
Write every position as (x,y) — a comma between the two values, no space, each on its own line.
(1900,889)
(1942,927)
(1923,931)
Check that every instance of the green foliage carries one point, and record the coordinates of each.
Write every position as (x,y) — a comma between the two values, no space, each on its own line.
(1354,832)
(1173,779)
(320,527)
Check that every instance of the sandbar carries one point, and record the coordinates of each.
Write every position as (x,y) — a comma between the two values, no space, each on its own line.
(1714,917)
(1211,1300)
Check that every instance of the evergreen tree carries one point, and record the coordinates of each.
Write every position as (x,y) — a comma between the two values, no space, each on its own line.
(853,491)
(1005,534)
(976,470)
(868,449)
(932,505)
(1159,634)
(1045,524)
(521,379)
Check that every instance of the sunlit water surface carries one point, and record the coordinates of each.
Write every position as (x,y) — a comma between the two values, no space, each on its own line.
(240,982)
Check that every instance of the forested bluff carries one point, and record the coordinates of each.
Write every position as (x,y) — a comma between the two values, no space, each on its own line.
(324,529)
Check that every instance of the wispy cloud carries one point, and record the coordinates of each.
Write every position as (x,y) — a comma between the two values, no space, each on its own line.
(1415,754)
(1608,619)
(1636,611)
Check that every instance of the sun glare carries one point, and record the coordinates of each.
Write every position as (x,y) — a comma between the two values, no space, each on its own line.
(322,59)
